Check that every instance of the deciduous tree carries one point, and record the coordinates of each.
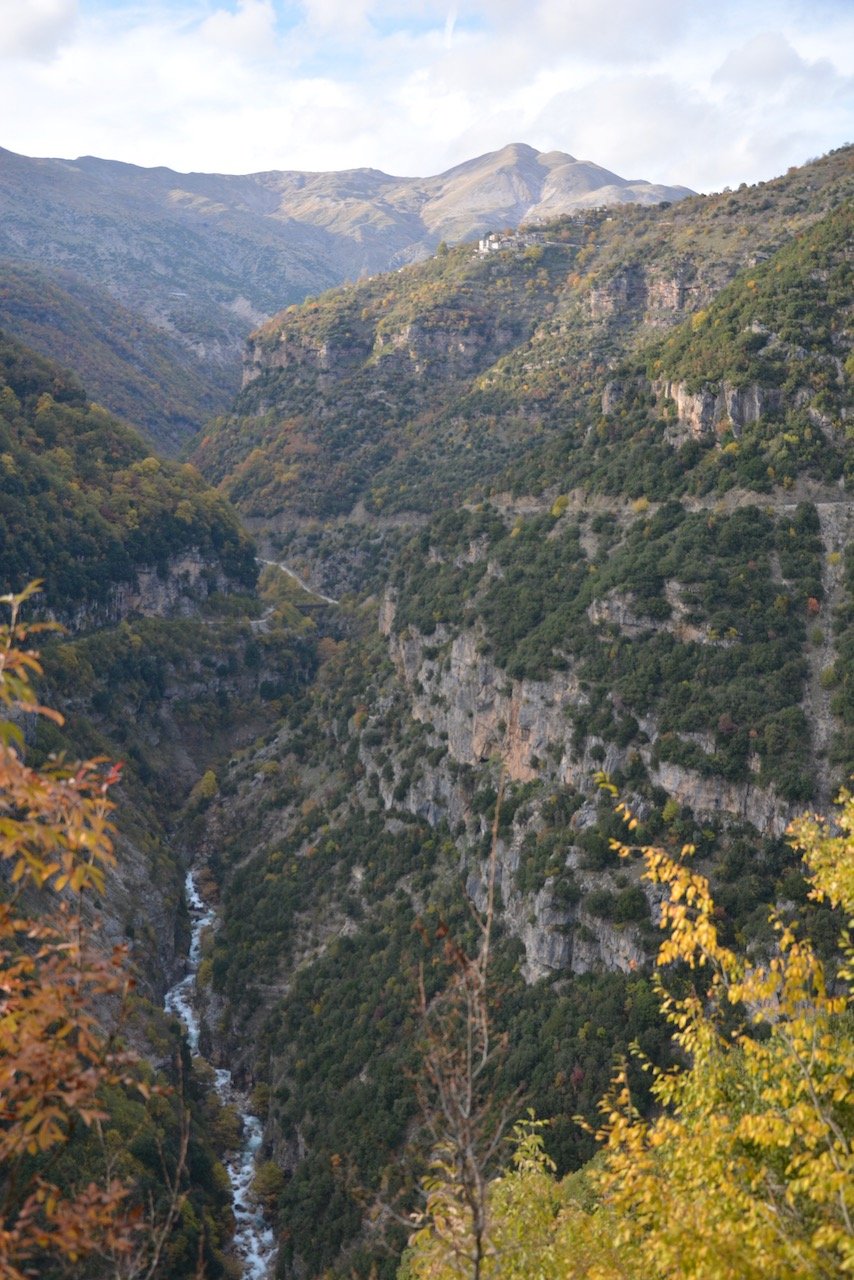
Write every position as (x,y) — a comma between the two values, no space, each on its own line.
(746,1172)
(55,1059)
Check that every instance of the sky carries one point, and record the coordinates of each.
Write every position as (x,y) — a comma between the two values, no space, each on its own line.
(707,93)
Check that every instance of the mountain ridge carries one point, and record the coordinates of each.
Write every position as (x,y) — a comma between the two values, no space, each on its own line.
(207,257)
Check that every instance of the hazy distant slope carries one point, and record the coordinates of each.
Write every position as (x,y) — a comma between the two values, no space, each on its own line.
(209,256)
(143,374)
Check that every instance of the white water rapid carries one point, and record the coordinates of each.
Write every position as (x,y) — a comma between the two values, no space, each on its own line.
(253,1238)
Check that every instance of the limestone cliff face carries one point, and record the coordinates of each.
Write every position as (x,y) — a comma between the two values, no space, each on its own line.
(455,346)
(559,939)
(619,610)
(479,714)
(653,298)
(703,414)
(421,347)
(711,796)
(465,696)
(289,349)
(140,909)
(188,579)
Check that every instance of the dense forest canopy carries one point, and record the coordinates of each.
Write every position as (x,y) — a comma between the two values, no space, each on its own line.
(85,505)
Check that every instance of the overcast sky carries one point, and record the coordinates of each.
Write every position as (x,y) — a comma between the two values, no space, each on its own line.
(704,92)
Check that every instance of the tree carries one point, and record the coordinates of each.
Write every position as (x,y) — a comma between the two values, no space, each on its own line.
(55,1060)
(746,1172)
(462,1115)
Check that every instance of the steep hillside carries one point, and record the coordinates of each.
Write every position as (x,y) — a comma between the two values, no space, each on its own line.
(577,503)
(171,661)
(86,508)
(206,257)
(584,500)
(140,373)
(405,392)
(113,533)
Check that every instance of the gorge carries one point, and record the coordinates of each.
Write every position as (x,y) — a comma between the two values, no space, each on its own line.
(514,523)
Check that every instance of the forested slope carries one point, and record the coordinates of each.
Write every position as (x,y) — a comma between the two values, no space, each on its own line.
(140,373)
(86,506)
(577,504)
(585,498)
(410,390)
(169,660)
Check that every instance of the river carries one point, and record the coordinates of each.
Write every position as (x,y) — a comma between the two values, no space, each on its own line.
(254,1242)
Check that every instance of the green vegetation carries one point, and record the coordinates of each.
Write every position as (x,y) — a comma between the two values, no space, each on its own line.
(385,344)
(486,453)
(339,1049)
(746,1167)
(98,1168)
(709,642)
(465,373)
(794,306)
(85,505)
(840,677)
(139,373)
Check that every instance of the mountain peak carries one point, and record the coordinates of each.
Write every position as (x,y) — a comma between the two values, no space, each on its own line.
(303,231)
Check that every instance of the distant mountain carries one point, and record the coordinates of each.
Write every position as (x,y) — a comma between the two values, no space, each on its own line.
(207,257)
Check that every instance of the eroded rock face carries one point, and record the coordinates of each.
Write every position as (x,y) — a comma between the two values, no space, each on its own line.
(464,695)
(709,796)
(701,415)
(421,347)
(189,578)
(457,350)
(618,609)
(599,945)
(474,706)
(623,294)
(649,298)
(557,939)
(325,354)
(480,714)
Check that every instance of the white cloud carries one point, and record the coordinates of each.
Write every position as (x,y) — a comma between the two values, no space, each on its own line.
(338,17)
(35,28)
(609,29)
(251,30)
(769,65)
(639,125)
(653,88)
(765,60)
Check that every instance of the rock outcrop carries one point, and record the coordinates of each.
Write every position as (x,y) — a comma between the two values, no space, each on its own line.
(525,726)
(178,591)
(650,298)
(704,414)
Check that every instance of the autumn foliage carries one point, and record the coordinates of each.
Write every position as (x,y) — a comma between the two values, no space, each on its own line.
(746,1170)
(55,1059)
